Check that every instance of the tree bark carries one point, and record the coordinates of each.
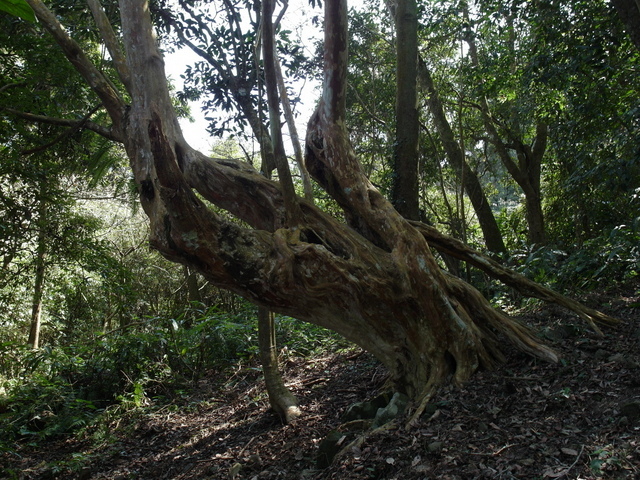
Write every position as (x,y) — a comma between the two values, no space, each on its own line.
(455,248)
(273,156)
(405,172)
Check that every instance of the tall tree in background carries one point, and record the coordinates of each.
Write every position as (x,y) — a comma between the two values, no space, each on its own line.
(374,281)
(455,154)
(405,178)
(585,67)
(45,159)
(517,134)
(369,107)
(40,267)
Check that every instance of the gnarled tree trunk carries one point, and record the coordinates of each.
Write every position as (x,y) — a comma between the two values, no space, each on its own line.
(440,325)
(374,281)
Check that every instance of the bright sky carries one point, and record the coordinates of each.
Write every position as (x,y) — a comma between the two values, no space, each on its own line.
(298,20)
(195,133)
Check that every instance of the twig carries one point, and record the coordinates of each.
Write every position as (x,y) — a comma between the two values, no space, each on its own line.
(493,454)
(564,474)
(500,450)
(245,447)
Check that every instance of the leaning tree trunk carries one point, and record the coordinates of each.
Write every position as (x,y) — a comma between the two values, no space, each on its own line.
(375,282)
(488,224)
(526,172)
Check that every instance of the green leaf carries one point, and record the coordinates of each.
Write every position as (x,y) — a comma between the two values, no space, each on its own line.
(19,8)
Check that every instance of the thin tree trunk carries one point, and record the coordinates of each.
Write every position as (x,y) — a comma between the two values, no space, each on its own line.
(473,188)
(193,289)
(293,131)
(38,288)
(273,101)
(281,399)
(526,172)
(535,217)
(273,157)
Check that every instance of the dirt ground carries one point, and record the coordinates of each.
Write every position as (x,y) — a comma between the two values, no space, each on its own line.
(578,419)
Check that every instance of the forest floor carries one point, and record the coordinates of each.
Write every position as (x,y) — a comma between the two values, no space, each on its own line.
(578,419)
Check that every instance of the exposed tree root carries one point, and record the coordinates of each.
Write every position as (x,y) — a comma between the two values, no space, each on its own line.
(426,396)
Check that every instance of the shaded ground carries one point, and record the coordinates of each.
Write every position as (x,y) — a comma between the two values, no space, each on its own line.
(579,419)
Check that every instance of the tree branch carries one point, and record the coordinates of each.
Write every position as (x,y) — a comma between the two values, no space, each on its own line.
(11,85)
(288,115)
(97,80)
(101,130)
(451,246)
(111,42)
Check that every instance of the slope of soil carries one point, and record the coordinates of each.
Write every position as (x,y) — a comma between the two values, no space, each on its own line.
(579,419)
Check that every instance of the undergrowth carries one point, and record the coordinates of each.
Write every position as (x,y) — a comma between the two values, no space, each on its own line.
(62,390)
(603,263)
